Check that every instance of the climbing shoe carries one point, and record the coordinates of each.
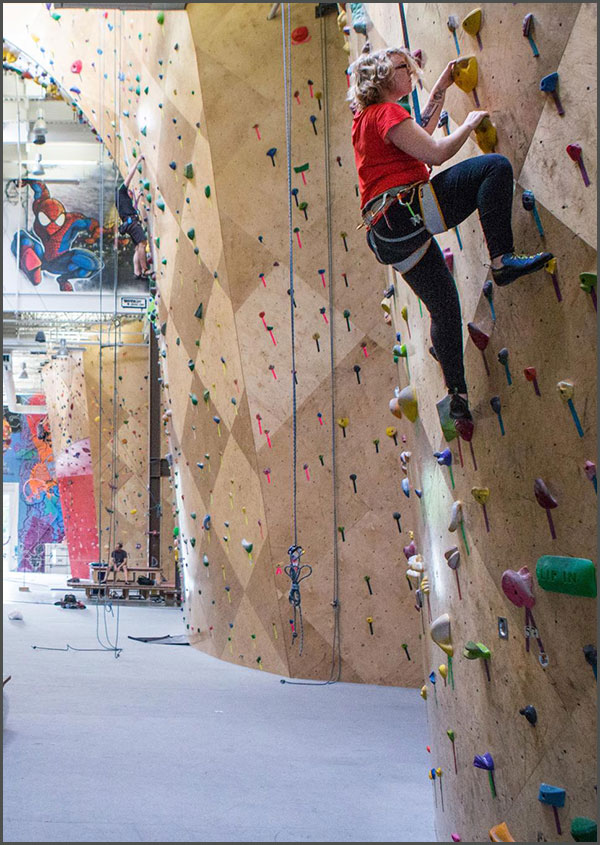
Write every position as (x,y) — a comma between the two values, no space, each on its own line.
(459,408)
(514,266)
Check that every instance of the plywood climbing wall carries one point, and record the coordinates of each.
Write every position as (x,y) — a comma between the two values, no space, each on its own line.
(554,332)
(117,396)
(64,386)
(252,193)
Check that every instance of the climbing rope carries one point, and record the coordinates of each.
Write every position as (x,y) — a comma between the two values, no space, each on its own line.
(415,96)
(294,569)
(336,657)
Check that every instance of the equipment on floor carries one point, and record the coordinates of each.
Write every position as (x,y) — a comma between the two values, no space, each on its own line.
(70,601)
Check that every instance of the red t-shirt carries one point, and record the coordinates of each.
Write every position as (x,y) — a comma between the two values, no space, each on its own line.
(381,166)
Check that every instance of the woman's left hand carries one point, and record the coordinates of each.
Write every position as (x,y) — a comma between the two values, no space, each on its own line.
(446,79)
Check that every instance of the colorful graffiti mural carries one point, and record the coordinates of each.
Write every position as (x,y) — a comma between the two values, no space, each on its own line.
(29,461)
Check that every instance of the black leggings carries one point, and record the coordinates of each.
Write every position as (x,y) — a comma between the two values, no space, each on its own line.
(484,183)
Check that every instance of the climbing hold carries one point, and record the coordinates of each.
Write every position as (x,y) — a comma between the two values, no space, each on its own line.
(500,833)
(567,391)
(553,796)
(439,631)
(530,714)
(464,74)
(486,136)
(393,433)
(160,18)
(407,401)
(300,35)
(472,25)
(160,204)
(588,283)
(405,484)
(481,340)
(527,29)
(207,191)
(478,651)
(573,576)
(271,153)
(528,200)
(396,517)
(76,66)
(503,358)
(497,409)
(191,233)
(481,495)
(590,471)
(584,829)
(550,267)
(575,154)
(549,85)
(452,24)
(486,762)
(517,587)
(188,171)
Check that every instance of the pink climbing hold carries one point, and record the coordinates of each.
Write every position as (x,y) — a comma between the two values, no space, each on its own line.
(76,66)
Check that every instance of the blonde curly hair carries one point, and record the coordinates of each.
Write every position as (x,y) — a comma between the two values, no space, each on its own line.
(371,73)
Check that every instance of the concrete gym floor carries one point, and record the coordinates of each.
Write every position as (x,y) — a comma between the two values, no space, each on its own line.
(168,744)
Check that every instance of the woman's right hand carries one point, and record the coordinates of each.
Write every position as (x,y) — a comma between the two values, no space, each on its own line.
(474,118)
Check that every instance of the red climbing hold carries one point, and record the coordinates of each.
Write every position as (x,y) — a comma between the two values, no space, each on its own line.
(300,35)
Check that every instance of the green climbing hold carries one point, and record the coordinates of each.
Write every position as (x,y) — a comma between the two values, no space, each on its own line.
(574,576)
(194,398)
(157,243)
(160,204)
(207,191)
(191,365)
(191,233)
(164,262)
(176,531)
(188,171)
(146,184)
(148,197)
(199,311)
(160,18)
(192,542)
(206,396)
(146,89)
(138,90)
(584,830)
(143,130)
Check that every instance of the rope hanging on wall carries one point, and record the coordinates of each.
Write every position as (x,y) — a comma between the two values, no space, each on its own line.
(295,569)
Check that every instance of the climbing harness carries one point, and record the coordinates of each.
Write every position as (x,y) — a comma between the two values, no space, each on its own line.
(294,571)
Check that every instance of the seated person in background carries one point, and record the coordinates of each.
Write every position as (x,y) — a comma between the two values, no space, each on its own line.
(119,564)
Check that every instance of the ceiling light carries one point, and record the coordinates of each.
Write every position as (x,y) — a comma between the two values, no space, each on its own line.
(37,169)
(40,129)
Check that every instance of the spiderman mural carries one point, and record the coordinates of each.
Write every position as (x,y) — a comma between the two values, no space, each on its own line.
(50,247)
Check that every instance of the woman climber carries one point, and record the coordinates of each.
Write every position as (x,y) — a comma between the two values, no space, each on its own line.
(132,225)
(402,208)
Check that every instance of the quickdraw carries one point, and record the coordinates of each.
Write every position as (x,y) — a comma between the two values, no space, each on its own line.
(294,571)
